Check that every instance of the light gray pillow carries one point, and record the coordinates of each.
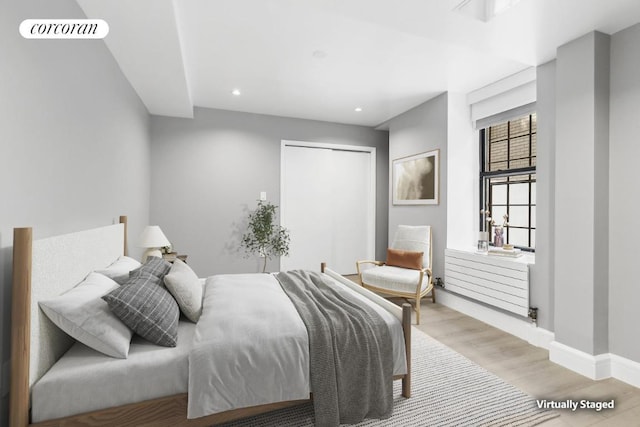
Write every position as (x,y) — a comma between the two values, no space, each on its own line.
(144,305)
(82,314)
(186,288)
(119,270)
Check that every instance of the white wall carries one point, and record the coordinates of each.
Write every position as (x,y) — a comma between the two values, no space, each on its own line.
(421,129)
(73,137)
(542,277)
(581,194)
(462,175)
(624,196)
(209,171)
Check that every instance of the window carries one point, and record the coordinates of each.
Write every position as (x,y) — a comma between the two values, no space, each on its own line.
(508,178)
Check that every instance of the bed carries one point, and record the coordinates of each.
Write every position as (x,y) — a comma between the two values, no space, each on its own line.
(49,267)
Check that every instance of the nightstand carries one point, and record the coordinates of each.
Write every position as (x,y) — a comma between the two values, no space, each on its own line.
(171,256)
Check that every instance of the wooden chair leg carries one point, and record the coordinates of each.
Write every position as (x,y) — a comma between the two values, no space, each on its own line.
(417,311)
(433,294)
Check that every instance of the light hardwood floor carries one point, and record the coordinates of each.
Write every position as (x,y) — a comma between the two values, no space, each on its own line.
(528,368)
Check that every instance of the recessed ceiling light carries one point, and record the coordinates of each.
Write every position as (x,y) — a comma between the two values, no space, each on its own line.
(358,109)
(235,92)
(319,54)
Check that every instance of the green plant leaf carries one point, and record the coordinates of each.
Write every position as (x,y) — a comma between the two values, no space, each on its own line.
(263,236)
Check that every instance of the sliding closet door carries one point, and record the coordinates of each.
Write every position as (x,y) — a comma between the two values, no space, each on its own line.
(351,174)
(304,207)
(328,204)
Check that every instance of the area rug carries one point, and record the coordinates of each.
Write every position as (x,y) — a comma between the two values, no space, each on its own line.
(447,390)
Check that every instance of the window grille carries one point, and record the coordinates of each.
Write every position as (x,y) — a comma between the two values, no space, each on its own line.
(508,178)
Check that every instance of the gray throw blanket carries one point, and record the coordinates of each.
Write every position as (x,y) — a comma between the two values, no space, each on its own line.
(350,351)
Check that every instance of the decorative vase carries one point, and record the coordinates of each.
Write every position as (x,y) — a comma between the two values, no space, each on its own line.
(498,237)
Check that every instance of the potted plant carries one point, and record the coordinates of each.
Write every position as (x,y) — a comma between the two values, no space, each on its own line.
(263,236)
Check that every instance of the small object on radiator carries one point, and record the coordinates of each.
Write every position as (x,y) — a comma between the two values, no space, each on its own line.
(498,238)
(512,253)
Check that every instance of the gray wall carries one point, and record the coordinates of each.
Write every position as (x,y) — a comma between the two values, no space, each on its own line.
(624,196)
(209,171)
(543,271)
(74,140)
(581,194)
(423,128)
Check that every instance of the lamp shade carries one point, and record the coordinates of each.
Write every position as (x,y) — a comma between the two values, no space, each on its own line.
(153,237)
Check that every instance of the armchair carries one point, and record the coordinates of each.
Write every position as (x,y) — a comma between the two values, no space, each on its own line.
(406,274)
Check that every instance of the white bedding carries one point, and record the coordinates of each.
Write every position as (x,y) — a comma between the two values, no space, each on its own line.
(255,351)
(85,380)
(250,340)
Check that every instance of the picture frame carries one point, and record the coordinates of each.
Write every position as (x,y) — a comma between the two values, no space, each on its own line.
(416,179)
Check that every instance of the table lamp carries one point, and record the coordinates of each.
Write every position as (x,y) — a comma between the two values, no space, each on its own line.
(153,239)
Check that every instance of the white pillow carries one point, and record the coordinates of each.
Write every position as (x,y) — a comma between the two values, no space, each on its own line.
(85,316)
(119,270)
(186,288)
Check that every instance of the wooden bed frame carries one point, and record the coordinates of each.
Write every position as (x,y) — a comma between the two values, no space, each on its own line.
(166,411)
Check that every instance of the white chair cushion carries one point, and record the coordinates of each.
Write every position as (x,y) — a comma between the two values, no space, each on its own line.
(414,238)
(394,278)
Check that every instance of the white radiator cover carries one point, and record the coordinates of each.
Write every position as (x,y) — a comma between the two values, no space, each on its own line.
(494,280)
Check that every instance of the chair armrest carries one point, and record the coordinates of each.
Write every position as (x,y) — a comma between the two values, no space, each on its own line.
(358,263)
(423,272)
(369,262)
(428,273)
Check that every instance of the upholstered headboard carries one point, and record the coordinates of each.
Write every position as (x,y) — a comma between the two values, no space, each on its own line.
(43,269)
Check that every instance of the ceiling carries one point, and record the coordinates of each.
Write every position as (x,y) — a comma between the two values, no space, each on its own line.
(321,59)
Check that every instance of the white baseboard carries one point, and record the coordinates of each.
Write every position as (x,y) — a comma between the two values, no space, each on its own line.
(540,337)
(596,367)
(521,328)
(625,370)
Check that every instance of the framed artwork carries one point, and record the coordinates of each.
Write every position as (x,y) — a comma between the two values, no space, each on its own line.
(416,179)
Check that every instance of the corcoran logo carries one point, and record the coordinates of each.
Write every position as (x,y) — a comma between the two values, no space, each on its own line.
(64,29)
